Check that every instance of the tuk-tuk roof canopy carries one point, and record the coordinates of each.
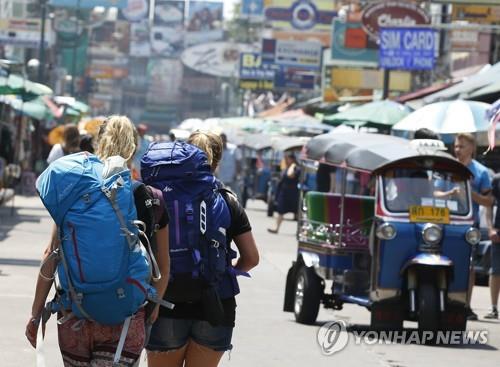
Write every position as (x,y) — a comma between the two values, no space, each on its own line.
(372,152)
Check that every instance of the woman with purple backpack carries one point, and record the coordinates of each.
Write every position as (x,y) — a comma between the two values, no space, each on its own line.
(205,219)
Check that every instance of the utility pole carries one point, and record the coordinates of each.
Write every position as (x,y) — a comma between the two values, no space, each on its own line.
(75,48)
(41,55)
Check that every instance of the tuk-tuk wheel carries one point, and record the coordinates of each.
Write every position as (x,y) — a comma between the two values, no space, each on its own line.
(428,310)
(308,294)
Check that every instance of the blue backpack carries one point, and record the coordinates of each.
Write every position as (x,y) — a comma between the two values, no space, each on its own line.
(199,219)
(104,271)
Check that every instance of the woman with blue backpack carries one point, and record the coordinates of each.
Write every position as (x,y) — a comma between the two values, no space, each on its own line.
(104,271)
(204,219)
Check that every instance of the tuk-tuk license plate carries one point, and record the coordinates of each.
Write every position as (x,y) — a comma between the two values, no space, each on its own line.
(429,214)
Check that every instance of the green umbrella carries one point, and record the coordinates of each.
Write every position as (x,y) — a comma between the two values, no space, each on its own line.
(36,108)
(16,84)
(378,114)
(74,107)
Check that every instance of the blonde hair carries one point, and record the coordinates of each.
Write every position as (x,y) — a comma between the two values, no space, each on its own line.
(210,143)
(117,136)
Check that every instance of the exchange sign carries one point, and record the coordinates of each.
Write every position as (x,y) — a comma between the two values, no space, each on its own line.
(407,48)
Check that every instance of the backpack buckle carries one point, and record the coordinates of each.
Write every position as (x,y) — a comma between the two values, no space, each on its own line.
(121,293)
(79,298)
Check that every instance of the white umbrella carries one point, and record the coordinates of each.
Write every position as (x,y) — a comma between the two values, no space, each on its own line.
(446,118)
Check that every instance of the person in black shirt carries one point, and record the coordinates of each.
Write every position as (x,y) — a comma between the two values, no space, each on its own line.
(184,333)
(494,234)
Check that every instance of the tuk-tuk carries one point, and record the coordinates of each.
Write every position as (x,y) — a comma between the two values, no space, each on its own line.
(256,167)
(388,227)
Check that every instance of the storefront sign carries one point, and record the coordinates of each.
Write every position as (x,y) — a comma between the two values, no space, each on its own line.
(322,37)
(90,4)
(360,81)
(392,14)
(407,48)
(476,13)
(24,32)
(136,10)
(300,14)
(204,23)
(216,58)
(303,55)
(252,8)
(350,43)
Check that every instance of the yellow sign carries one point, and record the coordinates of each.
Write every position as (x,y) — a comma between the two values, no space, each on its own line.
(257,84)
(430,214)
(476,13)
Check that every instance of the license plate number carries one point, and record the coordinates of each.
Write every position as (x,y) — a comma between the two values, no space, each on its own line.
(430,214)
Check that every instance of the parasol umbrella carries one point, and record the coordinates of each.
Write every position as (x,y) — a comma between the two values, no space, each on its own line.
(376,114)
(36,108)
(92,126)
(446,118)
(74,107)
(16,84)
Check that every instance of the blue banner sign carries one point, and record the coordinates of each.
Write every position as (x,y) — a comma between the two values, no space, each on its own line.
(251,67)
(89,4)
(407,48)
(252,8)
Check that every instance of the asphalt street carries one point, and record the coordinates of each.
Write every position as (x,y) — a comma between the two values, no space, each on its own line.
(264,336)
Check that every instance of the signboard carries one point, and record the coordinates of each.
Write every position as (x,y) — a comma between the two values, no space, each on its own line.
(349,81)
(89,4)
(166,37)
(322,37)
(465,40)
(204,23)
(253,74)
(252,8)
(390,14)
(169,13)
(24,32)
(303,55)
(136,10)
(251,67)
(291,79)
(300,14)
(407,48)
(219,59)
(164,80)
(350,43)
(476,13)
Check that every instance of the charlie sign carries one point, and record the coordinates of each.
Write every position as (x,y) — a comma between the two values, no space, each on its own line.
(407,48)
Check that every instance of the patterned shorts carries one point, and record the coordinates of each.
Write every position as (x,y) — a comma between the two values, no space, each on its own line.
(88,344)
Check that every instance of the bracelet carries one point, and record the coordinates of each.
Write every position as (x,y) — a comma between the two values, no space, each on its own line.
(48,279)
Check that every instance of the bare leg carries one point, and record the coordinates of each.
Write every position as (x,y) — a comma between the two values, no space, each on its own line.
(494,288)
(174,358)
(279,220)
(200,356)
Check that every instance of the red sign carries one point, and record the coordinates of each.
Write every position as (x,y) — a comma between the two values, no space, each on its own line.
(392,14)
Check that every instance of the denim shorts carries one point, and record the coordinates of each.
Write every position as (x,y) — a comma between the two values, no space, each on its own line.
(495,259)
(170,334)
